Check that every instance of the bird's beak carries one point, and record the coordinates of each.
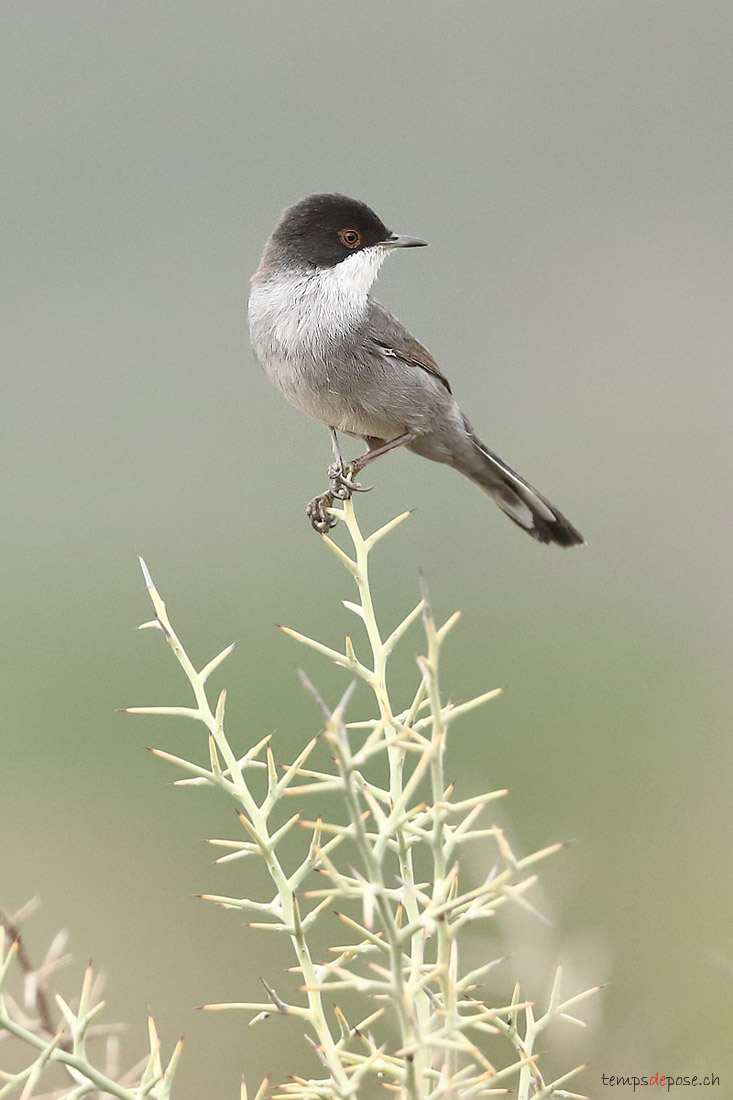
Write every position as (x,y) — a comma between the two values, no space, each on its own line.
(399,240)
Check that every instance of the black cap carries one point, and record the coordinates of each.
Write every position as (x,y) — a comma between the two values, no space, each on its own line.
(325,229)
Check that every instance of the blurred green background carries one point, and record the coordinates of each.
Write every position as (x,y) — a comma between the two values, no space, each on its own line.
(570,165)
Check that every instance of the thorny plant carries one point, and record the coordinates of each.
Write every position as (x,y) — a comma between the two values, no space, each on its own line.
(56,1034)
(403,960)
(422,1029)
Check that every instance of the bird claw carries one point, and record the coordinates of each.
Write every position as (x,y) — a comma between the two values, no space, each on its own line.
(342,481)
(318,514)
(341,488)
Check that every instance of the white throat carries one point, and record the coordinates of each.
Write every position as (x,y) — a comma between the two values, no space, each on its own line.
(309,309)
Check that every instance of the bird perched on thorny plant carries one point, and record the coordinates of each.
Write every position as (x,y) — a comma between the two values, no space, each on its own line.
(342,358)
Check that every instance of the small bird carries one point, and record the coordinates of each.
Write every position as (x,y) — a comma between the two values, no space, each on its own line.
(342,358)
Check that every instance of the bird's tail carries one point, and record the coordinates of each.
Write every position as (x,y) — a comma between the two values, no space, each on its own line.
(516,497)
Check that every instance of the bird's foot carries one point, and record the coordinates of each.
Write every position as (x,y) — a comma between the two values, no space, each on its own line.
(342,480)
(342,487)
(318,514)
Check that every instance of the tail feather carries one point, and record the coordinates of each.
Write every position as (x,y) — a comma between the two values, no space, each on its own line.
(517,499)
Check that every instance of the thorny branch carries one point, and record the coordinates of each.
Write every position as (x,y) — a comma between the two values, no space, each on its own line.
(58,1041)
(423,1032)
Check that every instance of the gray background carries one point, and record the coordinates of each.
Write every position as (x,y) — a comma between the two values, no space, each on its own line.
(570,164)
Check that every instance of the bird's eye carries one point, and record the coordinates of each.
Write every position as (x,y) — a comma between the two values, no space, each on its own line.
(350,237)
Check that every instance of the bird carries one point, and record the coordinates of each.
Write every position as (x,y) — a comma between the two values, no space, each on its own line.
(340,357)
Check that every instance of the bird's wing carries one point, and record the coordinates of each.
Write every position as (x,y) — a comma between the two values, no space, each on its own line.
(395,341)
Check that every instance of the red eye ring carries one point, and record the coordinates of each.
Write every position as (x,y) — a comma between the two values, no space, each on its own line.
(350,238)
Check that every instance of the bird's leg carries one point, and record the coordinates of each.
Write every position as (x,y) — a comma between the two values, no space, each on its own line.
(342,474)
(342,478)
(342,483)
(341,488)
(335,447)
(377,448)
